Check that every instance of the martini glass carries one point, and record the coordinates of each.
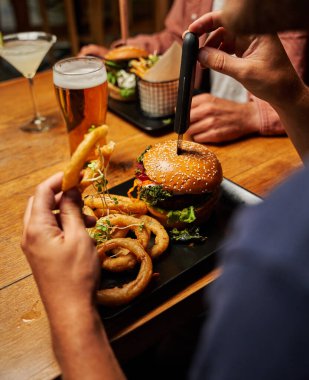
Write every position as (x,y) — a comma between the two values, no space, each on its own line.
(25,51)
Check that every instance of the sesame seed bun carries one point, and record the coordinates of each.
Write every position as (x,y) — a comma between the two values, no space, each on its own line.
(197,170)
(174,185)
(125,53)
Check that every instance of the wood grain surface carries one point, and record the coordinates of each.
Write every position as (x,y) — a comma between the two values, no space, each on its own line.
(257,164)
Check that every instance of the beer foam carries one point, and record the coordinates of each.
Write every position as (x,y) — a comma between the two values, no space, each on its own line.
(78,74)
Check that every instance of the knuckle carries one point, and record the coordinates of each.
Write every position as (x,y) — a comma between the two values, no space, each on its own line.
(210,121)
(28,240)
(219,62)
(40,188)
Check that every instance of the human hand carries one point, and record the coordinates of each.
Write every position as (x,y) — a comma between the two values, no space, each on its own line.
(95,50)
(215,120)
(61,254)
(260,62)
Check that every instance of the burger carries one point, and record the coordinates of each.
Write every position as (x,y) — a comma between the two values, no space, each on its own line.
(179,190)
(121,82)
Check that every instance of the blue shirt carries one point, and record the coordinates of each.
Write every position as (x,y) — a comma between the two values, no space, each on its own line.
(259,308)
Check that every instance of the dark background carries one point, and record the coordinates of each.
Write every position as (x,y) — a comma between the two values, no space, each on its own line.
(145,16)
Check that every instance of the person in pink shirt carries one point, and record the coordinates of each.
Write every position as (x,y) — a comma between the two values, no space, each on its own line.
(227,112)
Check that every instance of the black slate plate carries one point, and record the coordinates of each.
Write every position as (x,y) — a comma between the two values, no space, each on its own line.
(131,112)
(182,263)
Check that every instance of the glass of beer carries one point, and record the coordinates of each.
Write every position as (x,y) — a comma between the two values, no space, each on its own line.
(81,91)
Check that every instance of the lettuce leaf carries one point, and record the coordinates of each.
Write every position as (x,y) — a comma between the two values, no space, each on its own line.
(111,77)
(186,215)
(126,92)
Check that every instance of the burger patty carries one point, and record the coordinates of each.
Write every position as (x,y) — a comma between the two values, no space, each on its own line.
(179,202)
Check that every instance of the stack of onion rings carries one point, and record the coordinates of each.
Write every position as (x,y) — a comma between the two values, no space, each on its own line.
(120,257)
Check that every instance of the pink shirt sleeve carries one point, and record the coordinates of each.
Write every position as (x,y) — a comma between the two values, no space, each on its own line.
(159,42)
(180,16)
(295,45)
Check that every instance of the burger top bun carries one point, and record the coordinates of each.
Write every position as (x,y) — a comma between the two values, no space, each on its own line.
(197,170)
(125,53)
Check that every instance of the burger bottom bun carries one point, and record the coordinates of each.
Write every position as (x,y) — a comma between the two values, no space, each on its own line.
(114,93)
(202,213)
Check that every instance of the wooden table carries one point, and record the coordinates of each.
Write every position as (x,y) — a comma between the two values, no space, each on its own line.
(26,159)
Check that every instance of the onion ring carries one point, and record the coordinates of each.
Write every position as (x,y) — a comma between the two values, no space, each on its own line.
(127,222)
(71,176)
(122,259)
(88,211)
(104,153)
(161,236)
(100,212)
(115,202)
(120,296)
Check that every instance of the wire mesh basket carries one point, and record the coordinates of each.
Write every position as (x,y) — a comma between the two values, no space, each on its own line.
(158,99)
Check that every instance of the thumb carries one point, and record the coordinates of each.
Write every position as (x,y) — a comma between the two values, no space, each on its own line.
(220,61)
(70,211)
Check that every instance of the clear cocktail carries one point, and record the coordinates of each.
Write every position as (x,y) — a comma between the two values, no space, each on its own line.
(25,51)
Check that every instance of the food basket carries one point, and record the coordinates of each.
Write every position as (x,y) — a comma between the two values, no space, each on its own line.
(157,99)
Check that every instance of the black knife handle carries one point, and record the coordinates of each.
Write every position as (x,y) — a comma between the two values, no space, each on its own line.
(189,54)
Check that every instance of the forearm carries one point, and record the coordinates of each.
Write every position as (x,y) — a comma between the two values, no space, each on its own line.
(269,123)
(81,345)
(294,115)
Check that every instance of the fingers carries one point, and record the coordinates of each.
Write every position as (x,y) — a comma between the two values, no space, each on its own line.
(197,128)
(96,50)
(38,214)
(89,221)
(201,99)
(216,38)
(221,39)
(44,201)
(220,61)
(70,211)
(213,135)
(87,50)
(28,211)
(207,23)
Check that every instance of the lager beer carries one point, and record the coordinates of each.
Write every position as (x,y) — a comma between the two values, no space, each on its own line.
(81,91)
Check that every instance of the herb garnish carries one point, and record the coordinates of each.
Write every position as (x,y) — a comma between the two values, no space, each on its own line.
(187,235)
(153,194)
